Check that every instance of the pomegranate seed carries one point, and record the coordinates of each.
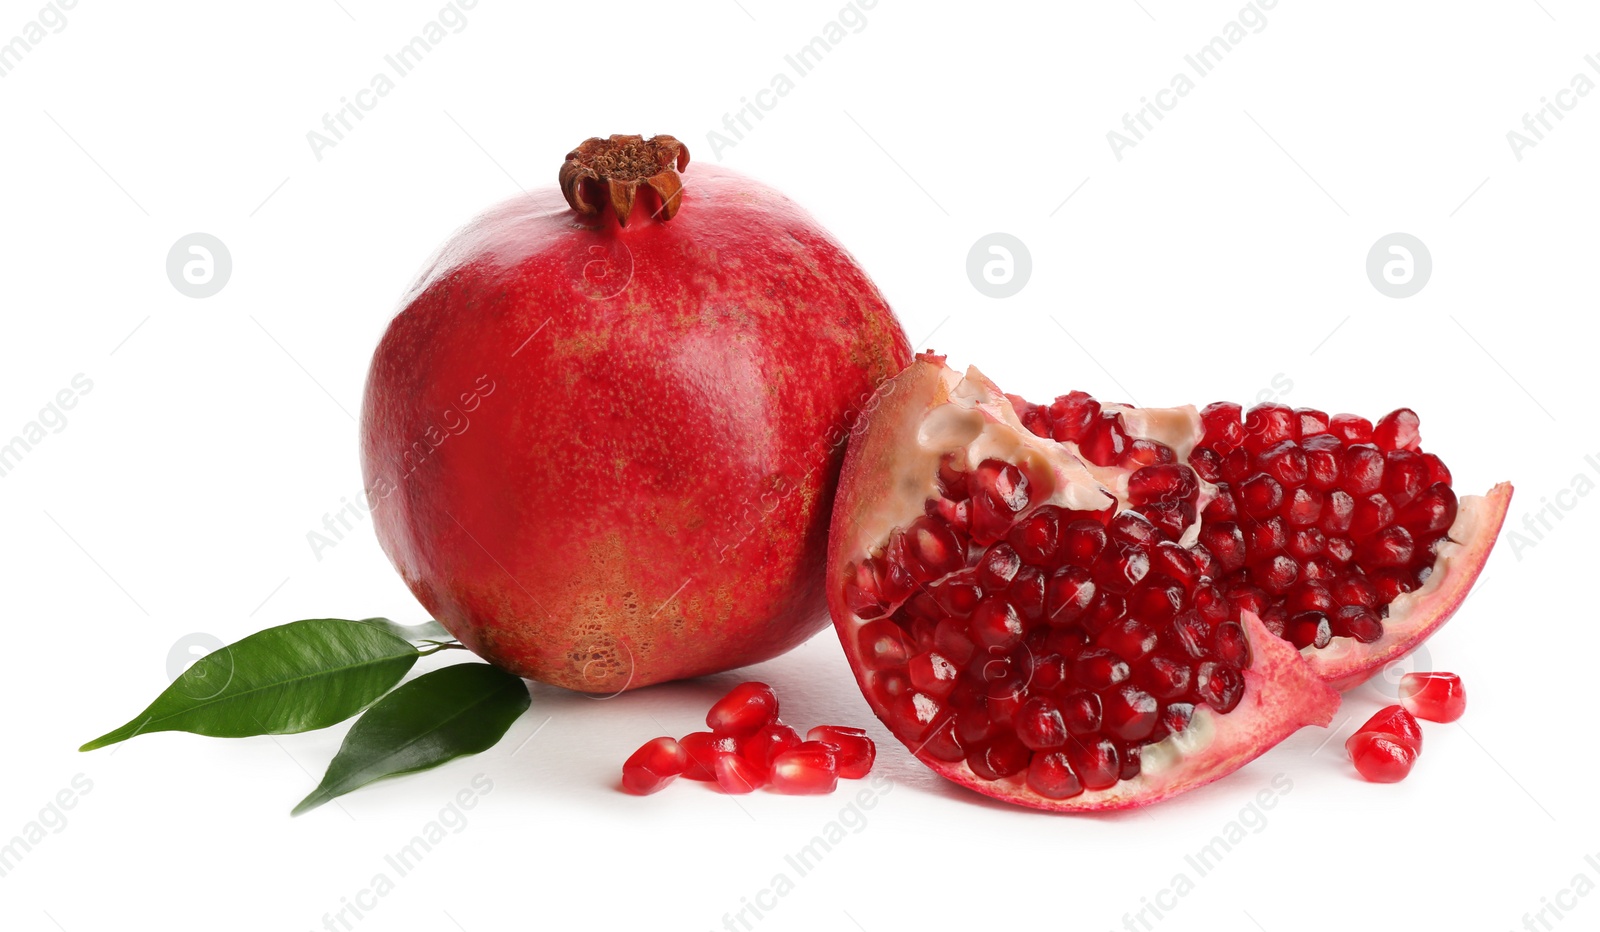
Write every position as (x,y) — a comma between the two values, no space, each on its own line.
(1405,475)
(1354,589)
(1437,471)
(996,624)
(1392,546)
(1380,758)
(703,748)
(1310,629)
(1193,633)
(1260,495)
(1224,429)
(1004,757)
(1275,574)
(1324,455)
(1142,452)
(1039,724)
(1072,414)
(1304,508)
(1230,644)
(1000,491)
(1207,463)
(1266,539)
(658,762)
(1081,713)
(1129,713)
(932,549)
(1351,429)
(1037,538)
(863,591)
(1097,762)
(1268,424)
(1068,595)
(1051,776)
(933,674)
(809,769)
(1312,422)
(951,640)
(883,645)
(1285,462)
(736,776)
(1105,441)
(1431,513)
(1337,512)
(1156,600)
(1099,669)
(1225,543)
(999,566)
(769,740)
(1220,685)
(1129,639)
(1082,542)
(1397,723)
(1166,679)
(957,594)
(1027,593)
(854,751)
(1397,430)
(1362,469)
(1437,697)
(952,480)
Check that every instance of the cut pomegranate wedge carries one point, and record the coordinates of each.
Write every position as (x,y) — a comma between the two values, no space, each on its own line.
(1028,629)
(1343,535)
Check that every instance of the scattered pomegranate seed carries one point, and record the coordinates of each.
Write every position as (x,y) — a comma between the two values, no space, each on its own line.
(810,769)
(749,747)
(1396,723)
(653,766)
(853,750)
(743,710)
(737,776)
(1437,697)
(1380,758)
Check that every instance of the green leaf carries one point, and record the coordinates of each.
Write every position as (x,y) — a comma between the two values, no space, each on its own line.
(296,677)
(427,631)
(437,717)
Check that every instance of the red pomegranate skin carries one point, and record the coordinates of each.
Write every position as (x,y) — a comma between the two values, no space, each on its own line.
(604,456)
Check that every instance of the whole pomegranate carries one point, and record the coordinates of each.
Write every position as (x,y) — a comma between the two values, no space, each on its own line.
(602,434)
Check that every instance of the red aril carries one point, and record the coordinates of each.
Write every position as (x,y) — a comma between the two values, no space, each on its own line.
(1105,668)
(1437,697)
(735,775)
(744,710)
(703,748)
(1380,758)
(601,436)
(853,751)
(749,747)
(1354,538)
(760,748)
(1395,722)
(809,769)
(653,766)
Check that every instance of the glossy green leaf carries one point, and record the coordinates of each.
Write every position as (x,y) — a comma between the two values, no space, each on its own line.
(427,631)
(437,717)
(296,677)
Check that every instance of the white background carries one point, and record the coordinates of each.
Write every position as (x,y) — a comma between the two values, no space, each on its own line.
(1221,257)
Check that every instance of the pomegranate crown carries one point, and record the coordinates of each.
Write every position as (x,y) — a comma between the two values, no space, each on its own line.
(601,171)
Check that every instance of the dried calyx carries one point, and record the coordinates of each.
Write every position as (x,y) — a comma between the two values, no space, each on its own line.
(609,171)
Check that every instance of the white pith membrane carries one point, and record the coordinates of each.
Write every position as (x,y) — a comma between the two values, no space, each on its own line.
(930,411)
